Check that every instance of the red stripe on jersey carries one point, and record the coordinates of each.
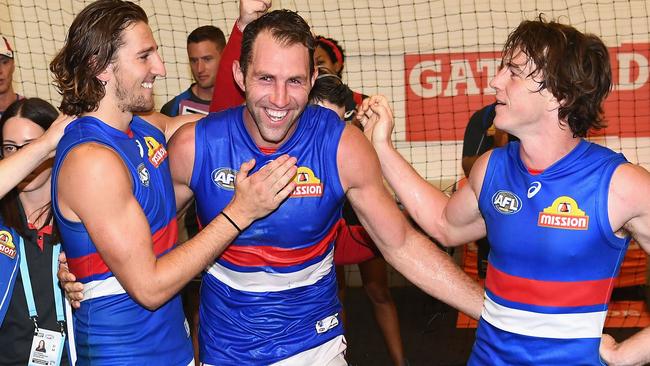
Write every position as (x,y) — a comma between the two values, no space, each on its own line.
(93,264)
(260,256)
(548,293)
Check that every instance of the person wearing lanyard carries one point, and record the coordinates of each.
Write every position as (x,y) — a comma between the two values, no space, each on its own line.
(31,306)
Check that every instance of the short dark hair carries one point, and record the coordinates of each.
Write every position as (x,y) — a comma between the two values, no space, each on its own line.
(329,87)
(286,26)
(43,114)
(573,66)
(92,42)
(208,33)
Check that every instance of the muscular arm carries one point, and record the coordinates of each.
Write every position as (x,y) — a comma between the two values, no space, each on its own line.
(181,162)
(629,209)
(412,254)
(105,204)
(169,125)
(452,221)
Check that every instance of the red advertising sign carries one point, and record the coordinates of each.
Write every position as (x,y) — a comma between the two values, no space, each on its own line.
(443,90)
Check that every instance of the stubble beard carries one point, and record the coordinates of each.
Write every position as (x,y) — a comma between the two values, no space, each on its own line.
(129,102)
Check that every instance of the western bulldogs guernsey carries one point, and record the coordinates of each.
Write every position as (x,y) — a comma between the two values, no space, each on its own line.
(110,327)
(553,258)
(272,293)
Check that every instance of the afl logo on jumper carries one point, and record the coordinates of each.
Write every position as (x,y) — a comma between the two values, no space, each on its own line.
(143,174)
(224,178)
(564,214)
(155,150)
(506,202)
(7,246)
(307,184)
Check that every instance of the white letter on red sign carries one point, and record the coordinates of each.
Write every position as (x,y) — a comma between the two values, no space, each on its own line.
(431,86)
(461,73)
(626,63)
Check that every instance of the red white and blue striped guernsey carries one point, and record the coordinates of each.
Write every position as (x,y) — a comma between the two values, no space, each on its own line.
(110,327)
(272,294)
(553,258)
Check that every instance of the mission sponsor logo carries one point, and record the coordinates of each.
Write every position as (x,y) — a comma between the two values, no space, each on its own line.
(224,178)
(155,150)
(7,246)
(506,202)
(308,185)
(564,213)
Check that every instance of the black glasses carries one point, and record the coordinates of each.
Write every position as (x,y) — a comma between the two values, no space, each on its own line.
(8,149)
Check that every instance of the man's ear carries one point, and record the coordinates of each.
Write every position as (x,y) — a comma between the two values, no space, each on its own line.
(238,75)
(553,103)
(106,75)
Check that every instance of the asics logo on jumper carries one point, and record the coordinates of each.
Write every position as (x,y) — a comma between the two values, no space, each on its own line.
(140,149)
(534,188)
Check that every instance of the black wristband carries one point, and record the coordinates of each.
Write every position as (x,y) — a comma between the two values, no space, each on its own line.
(231,221)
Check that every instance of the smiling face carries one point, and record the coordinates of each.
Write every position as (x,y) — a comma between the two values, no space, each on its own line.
(136,67)
(21,131)
(277,85)
(520,102)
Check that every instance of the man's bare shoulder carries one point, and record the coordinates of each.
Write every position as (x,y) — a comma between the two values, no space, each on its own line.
(356,155)
(630,181)
(630,188)
(477,175)
(629,202)
(94,160)
(182,137)
(91,173)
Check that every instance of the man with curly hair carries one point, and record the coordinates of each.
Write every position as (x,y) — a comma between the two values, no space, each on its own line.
(558,210)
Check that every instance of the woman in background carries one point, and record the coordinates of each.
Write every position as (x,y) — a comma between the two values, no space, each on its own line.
(329,55)
(26,232)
